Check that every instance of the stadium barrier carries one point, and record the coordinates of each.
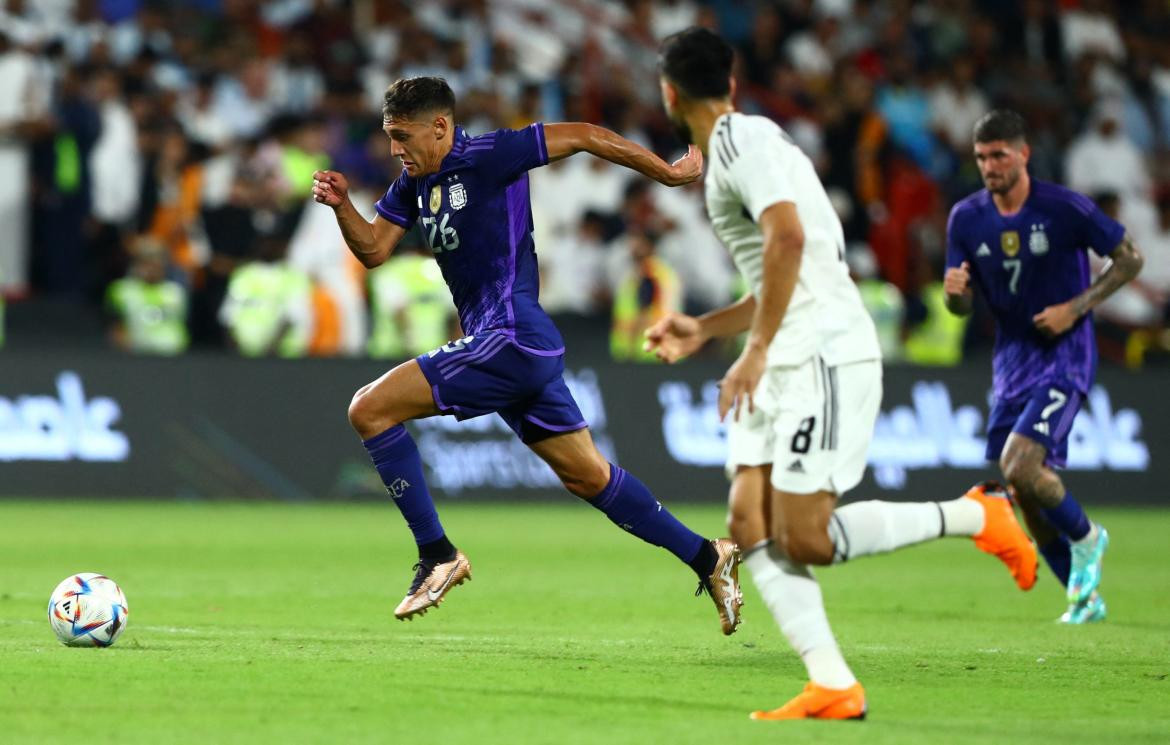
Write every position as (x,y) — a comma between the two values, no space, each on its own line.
(97,424)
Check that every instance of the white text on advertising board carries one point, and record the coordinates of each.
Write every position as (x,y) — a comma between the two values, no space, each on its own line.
(62,428)
(932,432)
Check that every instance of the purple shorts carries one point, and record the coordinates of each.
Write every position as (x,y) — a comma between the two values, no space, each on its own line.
(1045,417)
(490,372)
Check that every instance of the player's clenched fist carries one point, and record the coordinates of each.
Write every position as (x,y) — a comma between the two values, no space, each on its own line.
(957,280)
(674,337)
(330,187)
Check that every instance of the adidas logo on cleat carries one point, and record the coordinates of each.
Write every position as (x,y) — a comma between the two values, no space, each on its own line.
(795,466)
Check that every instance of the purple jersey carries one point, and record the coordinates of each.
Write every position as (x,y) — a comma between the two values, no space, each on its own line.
(1024,263)
(476,217)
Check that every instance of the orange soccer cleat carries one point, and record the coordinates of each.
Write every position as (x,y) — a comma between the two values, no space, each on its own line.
(1002,535)
(818,702)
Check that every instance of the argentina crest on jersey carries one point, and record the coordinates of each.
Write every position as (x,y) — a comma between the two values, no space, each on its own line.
(1038,241)
(457,196)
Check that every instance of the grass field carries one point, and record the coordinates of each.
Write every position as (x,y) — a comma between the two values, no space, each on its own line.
(272,623)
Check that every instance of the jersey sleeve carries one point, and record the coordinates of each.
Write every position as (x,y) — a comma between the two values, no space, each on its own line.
(956,251)
(399,204)
(1097,230)
(755,169)
(507,153)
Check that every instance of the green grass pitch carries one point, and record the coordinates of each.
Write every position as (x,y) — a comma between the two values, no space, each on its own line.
(272,623)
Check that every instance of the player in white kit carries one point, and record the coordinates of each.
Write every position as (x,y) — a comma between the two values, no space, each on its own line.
(806,390)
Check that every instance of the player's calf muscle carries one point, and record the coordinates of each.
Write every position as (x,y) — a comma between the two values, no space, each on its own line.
(813,547)
(747,520)
(805,540)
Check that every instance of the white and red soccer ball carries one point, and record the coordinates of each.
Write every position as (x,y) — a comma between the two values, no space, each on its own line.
(88,610)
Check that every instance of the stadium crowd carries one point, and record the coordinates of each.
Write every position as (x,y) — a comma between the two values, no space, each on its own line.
(158,155)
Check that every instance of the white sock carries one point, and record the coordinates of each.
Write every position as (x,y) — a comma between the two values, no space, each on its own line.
(962,516)
(793,596)
(873,527)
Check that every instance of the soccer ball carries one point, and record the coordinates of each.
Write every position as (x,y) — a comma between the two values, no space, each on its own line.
(88,610)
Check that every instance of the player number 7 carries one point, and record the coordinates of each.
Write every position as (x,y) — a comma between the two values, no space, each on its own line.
(1058,399)
(1013,266)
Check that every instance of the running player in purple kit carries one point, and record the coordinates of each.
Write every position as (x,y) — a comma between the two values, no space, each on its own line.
(470,195)
(1024,243)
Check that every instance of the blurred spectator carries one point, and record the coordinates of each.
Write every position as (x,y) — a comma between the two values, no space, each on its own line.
(883,301)
(1090,29)
(1103,159)
(172,198)
(23,106)
(648,292)
(116,175)
(690,247)
(1037,34)
(764,48)
(318,249)
(202,120)
(903,104)
(269,305)
(572,269)
(244,101)
(855,138)
(956,104)
(62,190)
(411,311)
(1143,303)
(935,338)
(149,311)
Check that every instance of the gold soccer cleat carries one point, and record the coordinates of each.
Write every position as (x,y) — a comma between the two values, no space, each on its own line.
(432,581)
(723,584)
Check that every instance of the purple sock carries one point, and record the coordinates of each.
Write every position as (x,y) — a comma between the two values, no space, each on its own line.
(1058,556)
(630,505)
(1069,518)
(396,458)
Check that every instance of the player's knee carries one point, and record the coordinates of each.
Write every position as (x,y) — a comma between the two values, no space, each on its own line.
(1018,473)
(366,418)
(808,547)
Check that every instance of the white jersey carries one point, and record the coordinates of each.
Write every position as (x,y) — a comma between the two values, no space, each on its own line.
(753,164)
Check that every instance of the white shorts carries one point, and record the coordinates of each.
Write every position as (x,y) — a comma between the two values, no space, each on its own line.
(812,422)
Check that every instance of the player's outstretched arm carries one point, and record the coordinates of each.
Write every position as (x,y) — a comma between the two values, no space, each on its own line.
(1124,264)
(678,335)
(370,242)
(567,138)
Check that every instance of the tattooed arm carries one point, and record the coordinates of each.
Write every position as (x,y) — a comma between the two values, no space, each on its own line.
(1124,264)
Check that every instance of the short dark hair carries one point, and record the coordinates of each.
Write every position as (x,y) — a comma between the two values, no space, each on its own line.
(1001,124)
(407,97)
(698,61)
